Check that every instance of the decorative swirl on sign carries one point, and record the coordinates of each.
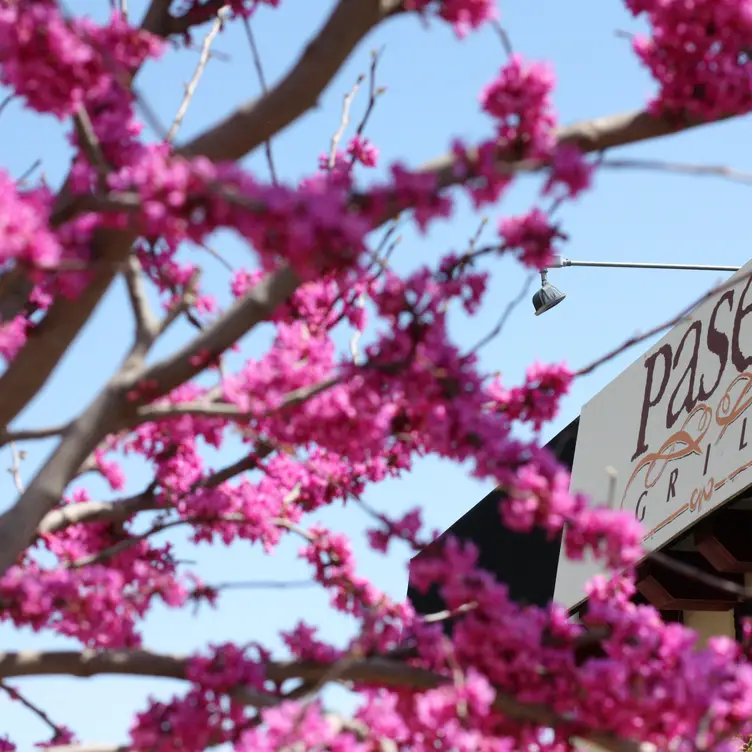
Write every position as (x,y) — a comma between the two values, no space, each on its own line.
(726,412)
(676,447)
(700,494)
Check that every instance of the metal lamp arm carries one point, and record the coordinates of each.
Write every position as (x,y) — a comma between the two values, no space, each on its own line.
(560,262)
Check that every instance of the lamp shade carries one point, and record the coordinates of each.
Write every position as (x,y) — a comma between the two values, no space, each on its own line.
(547,297)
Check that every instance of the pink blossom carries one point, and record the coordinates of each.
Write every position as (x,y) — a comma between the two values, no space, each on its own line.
(700,71)
(363,151)
(519,99)
(533,236)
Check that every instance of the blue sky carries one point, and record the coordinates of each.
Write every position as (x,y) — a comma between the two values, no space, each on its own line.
(433,81)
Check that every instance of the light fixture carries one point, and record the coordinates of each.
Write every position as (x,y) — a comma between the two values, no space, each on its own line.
(549,296)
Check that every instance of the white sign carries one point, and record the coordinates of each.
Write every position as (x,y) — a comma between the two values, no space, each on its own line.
(670,439)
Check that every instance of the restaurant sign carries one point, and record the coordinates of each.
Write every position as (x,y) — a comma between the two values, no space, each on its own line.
(670,439)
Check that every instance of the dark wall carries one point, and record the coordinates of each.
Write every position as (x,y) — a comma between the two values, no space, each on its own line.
(526,562)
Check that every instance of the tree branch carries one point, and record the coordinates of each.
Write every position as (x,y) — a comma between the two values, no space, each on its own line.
(249,127)
(206,408)
(121,510)
(190,89)
(372,671)
(147,326)
(257,64)
(31,434)
(16,696)
(18,525)
(256,122)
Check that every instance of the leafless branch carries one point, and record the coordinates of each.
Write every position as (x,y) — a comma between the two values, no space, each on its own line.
(662,327)
(185,301)
(253,123)
(15,469)
(450,613)
(89,143)
(147,500)
(696,574)
(506,42)
(699,170)
(203,60)
(344,122)
(356,334)
(8,99)
(73,205)
(15,695)
(372,671)
(256,55)
(18,524)
(131,540)
(510,308)
(265,585)
(242,132)
(26,174)
(373,92)
(147,326)
(31,434)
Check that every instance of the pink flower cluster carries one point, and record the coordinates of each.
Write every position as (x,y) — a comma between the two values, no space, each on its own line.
(533,236)
(413,392)
(646,680)
(537,401)
(463,15)
(39,49)
(519,99)
(27,240)
(699,53)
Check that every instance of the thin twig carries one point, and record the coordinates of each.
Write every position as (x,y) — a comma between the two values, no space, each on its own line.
(265,585)
(450,613)
(668,324)
(146,323)
(222,260)
(344,122)
(123,545)
(694,573)
(15,695)
(264,88)
(373,92)
(186,299)
(360,303)
(699,170)
(15,469)
(27,173)
(32,434)
(511,306)
(293,398)
(7,101)
(203,60)
(501,32)
(89,143)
